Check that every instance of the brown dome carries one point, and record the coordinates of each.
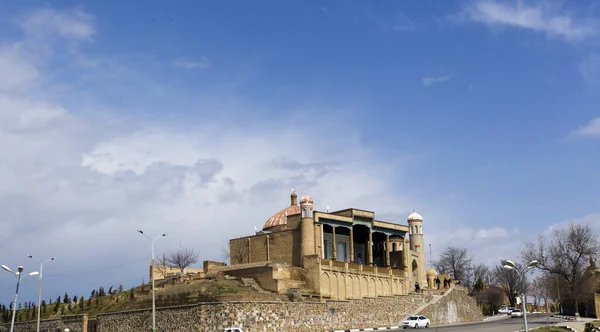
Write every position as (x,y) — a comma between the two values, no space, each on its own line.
(280,218)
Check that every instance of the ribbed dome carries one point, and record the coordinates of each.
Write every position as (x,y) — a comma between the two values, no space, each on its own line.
(280,218)
(431,272)
(306,199)
(414,217)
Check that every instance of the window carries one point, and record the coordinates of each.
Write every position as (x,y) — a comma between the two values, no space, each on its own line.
(327,248)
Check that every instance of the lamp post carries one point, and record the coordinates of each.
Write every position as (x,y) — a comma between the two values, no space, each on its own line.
(19,276)
(152,275)
(510,265)
(39,308)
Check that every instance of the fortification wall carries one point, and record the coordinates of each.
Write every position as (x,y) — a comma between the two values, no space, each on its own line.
(267,316)
(454,307)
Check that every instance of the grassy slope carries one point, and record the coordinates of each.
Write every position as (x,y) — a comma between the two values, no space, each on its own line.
(166,295)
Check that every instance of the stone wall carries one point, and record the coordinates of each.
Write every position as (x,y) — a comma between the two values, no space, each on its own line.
(453,307)
(267,316)
(74,323)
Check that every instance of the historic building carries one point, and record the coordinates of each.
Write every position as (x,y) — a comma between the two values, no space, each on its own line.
(337,255)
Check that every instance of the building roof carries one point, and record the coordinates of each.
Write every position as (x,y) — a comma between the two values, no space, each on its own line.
(306,200)
(280,218)
(414,217)
(431,272)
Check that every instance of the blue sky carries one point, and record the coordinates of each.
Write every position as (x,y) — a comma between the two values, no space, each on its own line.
(197,118)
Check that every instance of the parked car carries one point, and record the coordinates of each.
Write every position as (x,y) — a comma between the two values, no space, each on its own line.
(415,322)
(516,313)
(506,310)
(233,329)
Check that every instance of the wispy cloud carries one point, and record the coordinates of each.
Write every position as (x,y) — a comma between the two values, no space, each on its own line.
(470,87)
(427,81)
(401,22)
(397,22)
(537,17)
(191,64)
(73,24)
(589,68)
(323,9)
(590,129)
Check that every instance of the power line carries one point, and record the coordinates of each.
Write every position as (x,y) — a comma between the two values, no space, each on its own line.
(98,270)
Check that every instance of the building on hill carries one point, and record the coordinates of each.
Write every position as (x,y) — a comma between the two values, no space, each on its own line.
(333,255)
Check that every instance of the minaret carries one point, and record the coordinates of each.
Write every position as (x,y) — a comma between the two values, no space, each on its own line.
(294,198)
(307,226)
(415,225)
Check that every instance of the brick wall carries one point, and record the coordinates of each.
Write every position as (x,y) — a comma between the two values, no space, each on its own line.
(284,247)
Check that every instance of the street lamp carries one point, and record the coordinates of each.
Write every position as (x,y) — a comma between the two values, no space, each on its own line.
(510,265)
(19,276)
(39,308)
(152,275)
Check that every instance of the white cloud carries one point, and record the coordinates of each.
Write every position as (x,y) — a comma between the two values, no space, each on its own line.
(495,232)
(427,81)
(74,24)
(485,245)
(17,73)
(593,220)
(536,17)
(590,129)
(191,64)
(77,188)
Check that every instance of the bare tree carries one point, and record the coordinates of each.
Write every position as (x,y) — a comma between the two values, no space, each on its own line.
(481,271)
(509,281)
(492,297)
(476,272)
(544,288)
(163,266)
(456,262)
(183,258)
(567,256)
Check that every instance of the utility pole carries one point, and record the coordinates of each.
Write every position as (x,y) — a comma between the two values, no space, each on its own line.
(430,254)
(152,275)
(558,295)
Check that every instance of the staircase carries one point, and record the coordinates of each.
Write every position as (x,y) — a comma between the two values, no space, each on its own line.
(251,283)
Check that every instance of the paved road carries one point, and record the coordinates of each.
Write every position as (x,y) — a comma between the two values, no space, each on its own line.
(499,325)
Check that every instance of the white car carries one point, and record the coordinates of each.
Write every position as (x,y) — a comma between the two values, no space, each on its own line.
(415,322)
(506,310)
(233,329)
(516,313)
